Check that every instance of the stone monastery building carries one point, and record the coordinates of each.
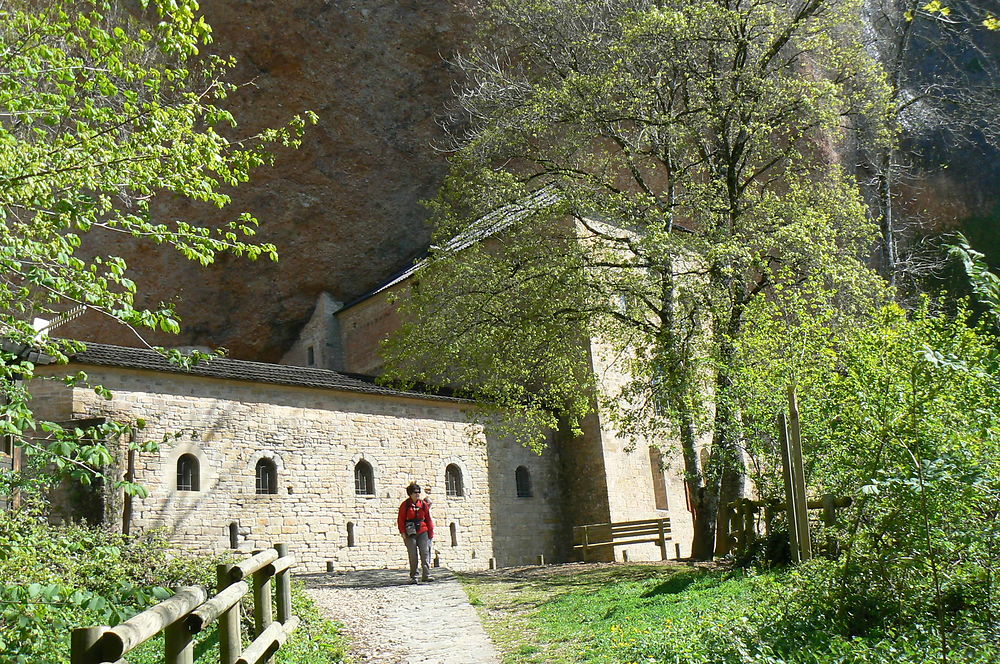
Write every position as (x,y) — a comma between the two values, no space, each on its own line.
(313,453)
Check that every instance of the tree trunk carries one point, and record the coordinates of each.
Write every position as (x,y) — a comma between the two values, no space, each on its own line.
(727,452)
(889,259)
(704,505)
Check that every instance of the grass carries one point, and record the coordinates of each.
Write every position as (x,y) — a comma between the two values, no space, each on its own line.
(569,613)
(685,614)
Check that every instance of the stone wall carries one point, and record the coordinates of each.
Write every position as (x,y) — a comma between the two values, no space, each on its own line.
(319,344)
(315,437)
(363,326)
(632,483)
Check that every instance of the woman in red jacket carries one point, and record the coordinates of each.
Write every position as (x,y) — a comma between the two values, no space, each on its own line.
(417,528)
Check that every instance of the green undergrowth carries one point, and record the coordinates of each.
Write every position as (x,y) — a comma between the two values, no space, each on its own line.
(681,614)
(316,641)
(55,578)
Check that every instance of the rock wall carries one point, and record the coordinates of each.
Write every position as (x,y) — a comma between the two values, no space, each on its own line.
(344,209)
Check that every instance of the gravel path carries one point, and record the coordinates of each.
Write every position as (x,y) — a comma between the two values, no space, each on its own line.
(392,622)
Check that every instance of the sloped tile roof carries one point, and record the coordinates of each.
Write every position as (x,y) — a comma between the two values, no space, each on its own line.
(484,227)
(98,354)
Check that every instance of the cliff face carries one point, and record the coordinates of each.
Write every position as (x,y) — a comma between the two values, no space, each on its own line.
(344,209)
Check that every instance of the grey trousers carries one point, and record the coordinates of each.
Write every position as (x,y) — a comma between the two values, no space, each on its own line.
(422,543)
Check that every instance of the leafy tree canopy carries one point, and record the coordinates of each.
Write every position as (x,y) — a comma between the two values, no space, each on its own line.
(103,106)
(693,148)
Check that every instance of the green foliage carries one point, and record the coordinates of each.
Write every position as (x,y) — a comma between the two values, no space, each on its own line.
(55,578)
(103,106)
(901,410)
(681,143)
(626,614)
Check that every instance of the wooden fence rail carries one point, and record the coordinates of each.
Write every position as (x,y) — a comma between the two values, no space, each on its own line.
(742,519)
(621,533)
(190,611)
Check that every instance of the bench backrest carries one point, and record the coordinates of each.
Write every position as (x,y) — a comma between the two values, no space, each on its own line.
(596,533)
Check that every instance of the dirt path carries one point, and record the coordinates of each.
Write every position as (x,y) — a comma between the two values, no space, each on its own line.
(392,622)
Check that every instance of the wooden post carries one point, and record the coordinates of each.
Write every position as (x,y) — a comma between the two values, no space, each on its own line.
(261,599)
(178,644)
(798,476)
(586,541)
(768,517)
(127,503)
(82,642)
(663,539)
(493,563)
(724,526)
(283,586)
(786,468)
(735,537)
(230,643)
(541,559)
(829,510)
(16,465)
(624,555)
(677,549)
(749,527)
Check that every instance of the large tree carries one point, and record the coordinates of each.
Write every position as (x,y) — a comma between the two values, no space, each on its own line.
(105,105)
(692,146)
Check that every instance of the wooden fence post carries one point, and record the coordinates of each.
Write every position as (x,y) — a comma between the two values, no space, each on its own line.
(798,476)
(178,644)
(749,526)
(283,586)
(262,616)
(82,643)
(586,541)
(829,510)
(786,468)
(663,540)
(230,643)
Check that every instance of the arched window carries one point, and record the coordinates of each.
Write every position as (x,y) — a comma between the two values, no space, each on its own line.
(234,535)
(523,480)
(453,481)
(267,476)
(350,533)
(188,473)
(453,528)
(364,479)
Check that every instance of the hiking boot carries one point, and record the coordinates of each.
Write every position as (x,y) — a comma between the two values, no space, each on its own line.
(413,581)
(426,578)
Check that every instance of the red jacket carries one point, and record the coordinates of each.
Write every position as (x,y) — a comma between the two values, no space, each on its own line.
(419,510)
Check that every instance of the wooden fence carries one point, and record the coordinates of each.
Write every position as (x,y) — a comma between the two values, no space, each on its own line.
(622,533)
(190,611)
(742,517)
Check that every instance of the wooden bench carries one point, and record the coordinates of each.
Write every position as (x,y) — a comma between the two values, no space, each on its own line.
(623,533)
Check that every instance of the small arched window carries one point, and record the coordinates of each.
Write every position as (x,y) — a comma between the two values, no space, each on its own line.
(188,473)
(523,480)
(453,481)
(364,479)
(350,533)
(234,535)
(267,476)
(453,528)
